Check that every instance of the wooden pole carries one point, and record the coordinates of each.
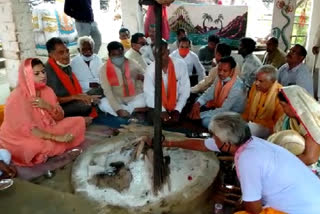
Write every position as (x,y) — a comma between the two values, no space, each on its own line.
(157,144)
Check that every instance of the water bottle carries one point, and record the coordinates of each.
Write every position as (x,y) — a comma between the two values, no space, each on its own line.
(218,208)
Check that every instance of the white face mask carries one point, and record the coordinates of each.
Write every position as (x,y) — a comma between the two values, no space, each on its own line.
(62,65)
(143,49)
(87,58)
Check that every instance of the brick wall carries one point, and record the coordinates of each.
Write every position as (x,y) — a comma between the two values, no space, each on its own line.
(16,34)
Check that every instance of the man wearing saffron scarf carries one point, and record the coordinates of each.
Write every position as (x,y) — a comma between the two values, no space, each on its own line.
(196,71)
(263,106)
(65,84)
(121,80)
(175,87)
(227,93)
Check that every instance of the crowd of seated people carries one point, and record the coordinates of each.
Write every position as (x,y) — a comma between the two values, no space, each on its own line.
(62,96)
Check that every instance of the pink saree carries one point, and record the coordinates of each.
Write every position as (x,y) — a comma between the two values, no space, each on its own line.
(20,117)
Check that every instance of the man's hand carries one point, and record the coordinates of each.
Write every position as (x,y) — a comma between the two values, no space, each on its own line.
(9,171)
(195,112)
(87,99)
(175,116)
(84,98)
(123,113)
(40,103)
(315,50)
(165,116)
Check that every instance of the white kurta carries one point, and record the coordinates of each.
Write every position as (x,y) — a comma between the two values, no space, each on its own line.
(183,84)
(84,73)
(192,61)
(136,57)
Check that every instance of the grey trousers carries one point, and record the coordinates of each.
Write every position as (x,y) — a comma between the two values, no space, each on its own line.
(90,29)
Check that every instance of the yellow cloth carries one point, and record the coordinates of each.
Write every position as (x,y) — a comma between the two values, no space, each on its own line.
(268,210)
(1,113)
(263,108)
(126,44)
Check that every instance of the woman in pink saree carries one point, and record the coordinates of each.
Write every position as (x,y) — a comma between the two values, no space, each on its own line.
(34,127)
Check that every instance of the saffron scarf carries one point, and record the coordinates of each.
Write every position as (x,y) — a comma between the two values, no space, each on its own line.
(221,92)
(73,87)
(169,99)
(267,210)
(268,108)
(128,85)
(27,85)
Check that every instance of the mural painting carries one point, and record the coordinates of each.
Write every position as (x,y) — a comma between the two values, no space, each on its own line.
(202,20)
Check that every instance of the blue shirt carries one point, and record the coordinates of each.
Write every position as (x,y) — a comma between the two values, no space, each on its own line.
(235,101)
(299,75)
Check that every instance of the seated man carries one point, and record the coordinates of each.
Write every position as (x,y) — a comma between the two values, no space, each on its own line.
(272,180)
(227,93)
(222,50)
(180,33)
(207,53)
(86,67)
(65,84)
(274,56)
(147,51)
(301,115)
(119,79)
(175,86)
(124,36)
(263,106)
(295,72)
(196,70)
(251,62)
(137,43)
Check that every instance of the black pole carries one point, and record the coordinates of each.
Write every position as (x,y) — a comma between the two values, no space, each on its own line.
(157,144)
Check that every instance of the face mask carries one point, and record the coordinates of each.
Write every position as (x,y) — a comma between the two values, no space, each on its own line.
(126,43)
(62,65)
(143,49)
(184,51)
(87,58)
(39,85)
(118,60)
(226,79)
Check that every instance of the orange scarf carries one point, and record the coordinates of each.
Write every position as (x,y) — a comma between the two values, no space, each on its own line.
(169,99)
(73,87)
(221,92)
(129,89)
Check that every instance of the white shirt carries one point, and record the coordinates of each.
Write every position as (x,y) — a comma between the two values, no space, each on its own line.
(84,73)
(183,84)
(277,177)
(147,52)
(283,182)
(136,57)
(192,61)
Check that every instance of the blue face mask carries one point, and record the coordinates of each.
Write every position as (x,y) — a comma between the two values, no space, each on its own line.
(87,58)
(118,60)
